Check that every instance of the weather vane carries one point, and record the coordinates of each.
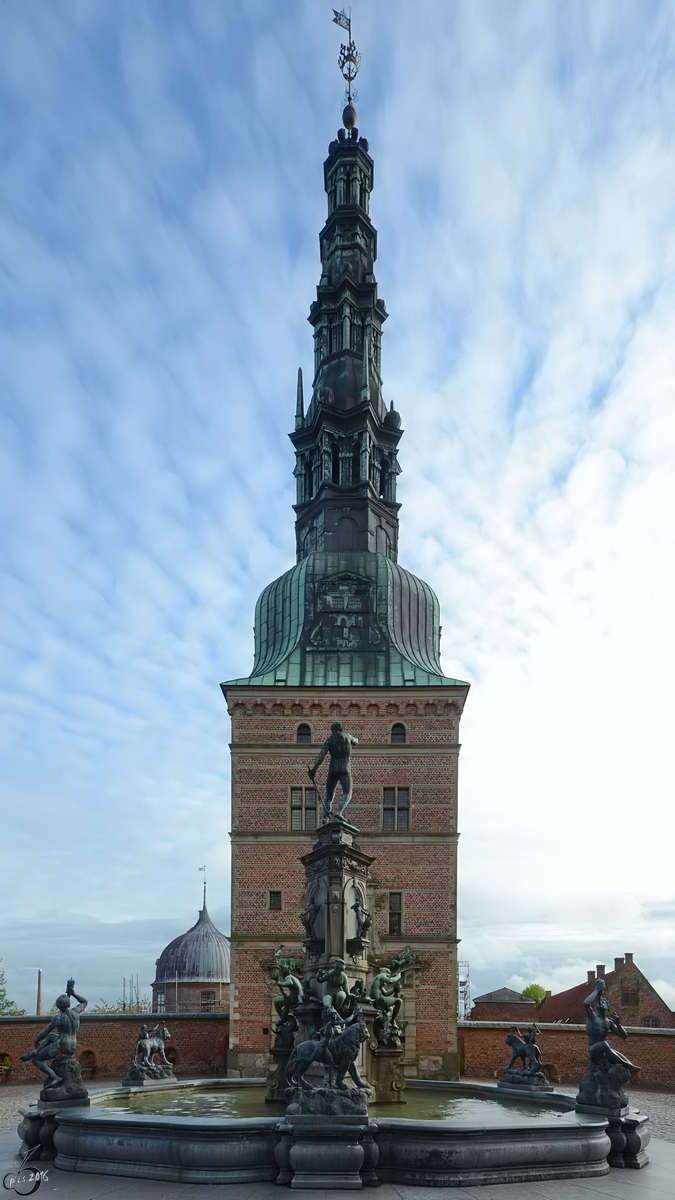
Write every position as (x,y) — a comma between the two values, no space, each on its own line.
(349,59)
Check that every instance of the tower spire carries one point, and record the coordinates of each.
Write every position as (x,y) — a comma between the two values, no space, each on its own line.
(346,445)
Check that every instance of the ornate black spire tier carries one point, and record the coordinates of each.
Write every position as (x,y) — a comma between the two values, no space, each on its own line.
(346,444)
(347,615)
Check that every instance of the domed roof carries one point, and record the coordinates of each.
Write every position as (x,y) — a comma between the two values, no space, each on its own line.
(202,955)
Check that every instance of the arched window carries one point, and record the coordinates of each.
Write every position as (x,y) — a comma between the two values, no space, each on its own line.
(398,734)
(335,462)
(309,480)
(356,464)
(305,734)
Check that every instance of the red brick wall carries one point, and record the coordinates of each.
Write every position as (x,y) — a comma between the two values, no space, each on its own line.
(517,1012)
(187,998)
(200,1042)
(267,762)
(564,1050)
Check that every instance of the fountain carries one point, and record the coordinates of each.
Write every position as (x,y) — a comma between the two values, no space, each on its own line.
(337,1018)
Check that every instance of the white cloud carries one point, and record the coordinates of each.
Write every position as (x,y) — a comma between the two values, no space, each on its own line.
(160,203)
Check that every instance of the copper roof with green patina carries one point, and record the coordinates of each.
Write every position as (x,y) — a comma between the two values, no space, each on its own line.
(347,619)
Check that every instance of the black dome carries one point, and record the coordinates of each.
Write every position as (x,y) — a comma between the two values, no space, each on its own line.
(199,956)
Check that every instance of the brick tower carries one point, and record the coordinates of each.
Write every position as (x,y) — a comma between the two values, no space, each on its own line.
(347,634)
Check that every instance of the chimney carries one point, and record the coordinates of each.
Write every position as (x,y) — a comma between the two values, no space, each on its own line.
(629,960)
(618,963)
(547,995)
(591,976)
(600,970)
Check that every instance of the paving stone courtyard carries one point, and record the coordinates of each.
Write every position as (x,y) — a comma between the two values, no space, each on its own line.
(655,1182)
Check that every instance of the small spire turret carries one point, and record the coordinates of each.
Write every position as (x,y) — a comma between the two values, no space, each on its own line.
(299,403)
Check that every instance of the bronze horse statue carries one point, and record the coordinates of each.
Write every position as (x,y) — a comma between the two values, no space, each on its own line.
(525,1049)
(336,1053)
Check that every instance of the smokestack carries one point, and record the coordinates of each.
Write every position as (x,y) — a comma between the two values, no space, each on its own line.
(38,1006)
(591,976)
(629,960)
(618,963)
(600,970)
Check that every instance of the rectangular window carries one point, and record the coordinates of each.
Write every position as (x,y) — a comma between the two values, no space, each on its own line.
(395,912)
(275,901)
(651,1022)
(395,809)
(160,1002)
(629,999)
(354,602)
(336,601)
(303,808)
(208,1001)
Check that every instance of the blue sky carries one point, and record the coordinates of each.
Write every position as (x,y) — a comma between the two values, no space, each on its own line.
(160,199)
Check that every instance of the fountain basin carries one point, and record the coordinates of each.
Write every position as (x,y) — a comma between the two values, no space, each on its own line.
(499,1139)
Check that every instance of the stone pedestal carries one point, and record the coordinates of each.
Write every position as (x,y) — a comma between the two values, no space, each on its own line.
(38,1125)
(276,1076)
(337,871)
(525,1081)
(385,1076)
(140,1076)
(327,1102)
(628,1133)
(637,1134)
(336,1153)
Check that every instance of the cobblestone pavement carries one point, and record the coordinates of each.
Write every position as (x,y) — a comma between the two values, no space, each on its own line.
(14,1096)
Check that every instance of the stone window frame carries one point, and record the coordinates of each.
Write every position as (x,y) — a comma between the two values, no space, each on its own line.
(304,725)
(275,892)
(399,725)
(400,912)
(303,808)
(397,808)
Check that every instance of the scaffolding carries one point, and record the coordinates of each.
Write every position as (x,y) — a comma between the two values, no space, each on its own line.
(463,992)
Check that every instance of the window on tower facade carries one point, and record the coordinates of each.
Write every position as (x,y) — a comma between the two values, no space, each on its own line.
(303,808)
(356,464)
(395,809)
(275,901)
(335,462)
(208,1001)
(395,912)
(398,734)
(160,1002)
(304,735)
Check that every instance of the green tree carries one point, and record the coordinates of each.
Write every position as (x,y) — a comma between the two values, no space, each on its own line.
(8,1007)
(534,991)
